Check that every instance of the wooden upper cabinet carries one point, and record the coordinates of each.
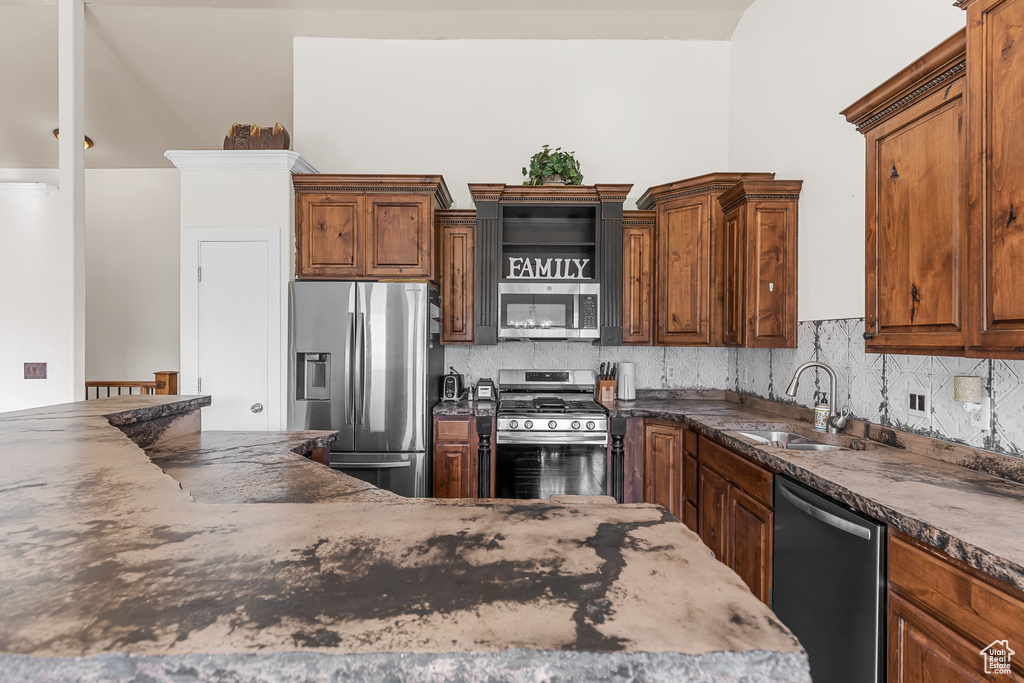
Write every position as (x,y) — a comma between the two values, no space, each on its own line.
(688,227)
(637,277)
(457,267)
(757,279)
(365,227)
(327,237)
(663,465)
(399,236)
(916,213)
(995,63)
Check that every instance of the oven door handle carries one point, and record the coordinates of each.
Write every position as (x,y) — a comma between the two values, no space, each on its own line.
(552,439)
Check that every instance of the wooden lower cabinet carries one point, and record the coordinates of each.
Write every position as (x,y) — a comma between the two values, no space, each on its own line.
(714,503)
(690,482)
(751,532)
(455,457)
(943,614)
(923,650)
(663,465)
(735,514)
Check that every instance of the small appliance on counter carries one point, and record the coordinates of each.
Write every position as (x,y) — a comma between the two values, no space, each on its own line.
(451,386)
(627,381)
(485,390)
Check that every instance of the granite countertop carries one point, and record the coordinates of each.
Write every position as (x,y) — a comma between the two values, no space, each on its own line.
(466,407)
(117,567)
(970,515)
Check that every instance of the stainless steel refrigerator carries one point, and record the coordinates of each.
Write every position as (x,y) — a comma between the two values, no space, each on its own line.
(366,360)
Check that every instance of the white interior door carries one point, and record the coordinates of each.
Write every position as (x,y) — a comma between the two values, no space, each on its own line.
(233,358)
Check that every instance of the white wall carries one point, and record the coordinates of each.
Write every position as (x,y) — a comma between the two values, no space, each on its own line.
(131,250)
(795,64)
(131,283)
(641,112)
(37,305)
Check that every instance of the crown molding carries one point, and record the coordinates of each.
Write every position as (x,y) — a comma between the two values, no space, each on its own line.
(239,160)
(26,190)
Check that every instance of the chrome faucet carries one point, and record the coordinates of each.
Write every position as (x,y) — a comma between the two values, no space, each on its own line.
(835,424)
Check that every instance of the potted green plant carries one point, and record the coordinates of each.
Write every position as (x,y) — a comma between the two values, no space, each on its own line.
(553,166)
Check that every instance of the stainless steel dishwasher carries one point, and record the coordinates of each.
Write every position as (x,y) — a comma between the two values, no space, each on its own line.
(828,583)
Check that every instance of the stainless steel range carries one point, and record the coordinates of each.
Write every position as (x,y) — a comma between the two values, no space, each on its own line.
(552,436)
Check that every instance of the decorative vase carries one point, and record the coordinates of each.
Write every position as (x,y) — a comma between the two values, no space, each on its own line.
(553,179)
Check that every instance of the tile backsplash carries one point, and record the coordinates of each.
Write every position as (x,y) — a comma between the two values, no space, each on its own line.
(656,367)
(874,387)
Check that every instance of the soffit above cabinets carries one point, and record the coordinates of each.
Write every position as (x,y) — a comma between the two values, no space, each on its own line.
(175,74)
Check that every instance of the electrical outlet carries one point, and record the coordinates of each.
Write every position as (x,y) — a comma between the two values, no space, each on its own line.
(918,403)
(746,375)
(671,372)
(982,418)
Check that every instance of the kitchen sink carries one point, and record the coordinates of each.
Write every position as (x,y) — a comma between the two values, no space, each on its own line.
(787,440)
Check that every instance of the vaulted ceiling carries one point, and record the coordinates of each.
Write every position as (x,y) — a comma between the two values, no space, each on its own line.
(175,74)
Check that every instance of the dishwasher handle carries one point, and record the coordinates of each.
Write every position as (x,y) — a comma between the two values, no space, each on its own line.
(823,515)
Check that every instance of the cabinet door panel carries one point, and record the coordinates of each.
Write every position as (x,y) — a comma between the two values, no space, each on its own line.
(329,235)
(751,537)
(733,278)
(399,236)
(713,504)
(663,467)
(916,235)
(683,275)
(451,471)
(995,62)
(922,650)
(637,283)
(457,265)
(773,280)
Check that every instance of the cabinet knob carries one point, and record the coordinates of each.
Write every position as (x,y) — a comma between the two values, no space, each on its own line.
(256,407)
(869,335)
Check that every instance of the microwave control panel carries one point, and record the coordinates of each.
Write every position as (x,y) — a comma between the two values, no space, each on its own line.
(588,311)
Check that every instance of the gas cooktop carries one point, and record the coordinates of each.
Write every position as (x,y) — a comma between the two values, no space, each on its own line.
(548,404)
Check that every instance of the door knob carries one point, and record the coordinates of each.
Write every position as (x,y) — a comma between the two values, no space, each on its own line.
(256,407)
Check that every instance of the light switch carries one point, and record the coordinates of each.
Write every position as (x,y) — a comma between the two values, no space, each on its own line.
(35,370)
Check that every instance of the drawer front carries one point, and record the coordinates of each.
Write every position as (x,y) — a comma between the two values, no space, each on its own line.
(748,476)
(979,611)
(457,430)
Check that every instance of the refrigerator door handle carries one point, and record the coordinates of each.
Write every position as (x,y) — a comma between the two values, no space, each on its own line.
(359,381)
(350,397)
(824,516)
(372,465)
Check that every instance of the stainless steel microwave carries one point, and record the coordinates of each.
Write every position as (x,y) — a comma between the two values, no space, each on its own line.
(549,310)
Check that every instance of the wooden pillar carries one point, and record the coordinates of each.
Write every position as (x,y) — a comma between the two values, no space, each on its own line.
(483,459)
(618,459)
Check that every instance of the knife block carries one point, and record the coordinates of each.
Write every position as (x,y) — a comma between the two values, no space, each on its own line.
(606,390)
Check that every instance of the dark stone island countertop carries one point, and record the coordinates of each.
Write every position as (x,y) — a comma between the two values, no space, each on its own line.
(969,514)
(230,556)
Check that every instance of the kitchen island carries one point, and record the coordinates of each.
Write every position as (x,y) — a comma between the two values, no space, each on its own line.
(119,566)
